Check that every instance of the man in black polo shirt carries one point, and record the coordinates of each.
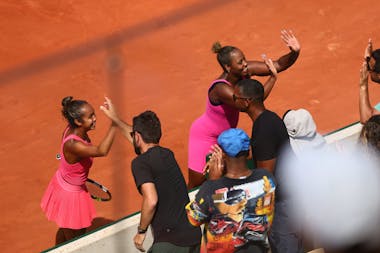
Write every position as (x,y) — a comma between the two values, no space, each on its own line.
(269,138)
(162,186)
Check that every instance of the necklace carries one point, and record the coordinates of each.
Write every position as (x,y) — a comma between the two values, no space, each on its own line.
(239,175)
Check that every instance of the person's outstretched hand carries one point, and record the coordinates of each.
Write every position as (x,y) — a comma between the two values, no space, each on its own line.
(290,40)
(109,109)
(368,50)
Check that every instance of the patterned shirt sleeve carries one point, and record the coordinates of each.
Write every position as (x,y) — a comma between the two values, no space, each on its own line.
(198,209)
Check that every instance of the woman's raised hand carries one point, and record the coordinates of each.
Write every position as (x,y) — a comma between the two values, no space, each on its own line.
(290,40)
(368,50)
(109,110)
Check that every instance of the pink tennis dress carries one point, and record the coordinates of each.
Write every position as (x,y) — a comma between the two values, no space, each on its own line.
(205,130)
(66,200)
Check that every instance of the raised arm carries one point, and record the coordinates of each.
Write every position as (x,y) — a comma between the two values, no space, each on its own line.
(261,69)
(273,77)
(76,150)
(109,110)
(365,108)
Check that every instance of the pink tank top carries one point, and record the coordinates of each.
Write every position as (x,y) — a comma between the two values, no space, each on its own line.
(223,116)
(76,173)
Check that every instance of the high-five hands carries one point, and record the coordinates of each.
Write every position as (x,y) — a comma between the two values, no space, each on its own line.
(109,109)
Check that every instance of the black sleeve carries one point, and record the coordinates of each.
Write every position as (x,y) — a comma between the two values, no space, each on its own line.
(141,172)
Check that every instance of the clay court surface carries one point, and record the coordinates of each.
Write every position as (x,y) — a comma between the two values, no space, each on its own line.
(153,55)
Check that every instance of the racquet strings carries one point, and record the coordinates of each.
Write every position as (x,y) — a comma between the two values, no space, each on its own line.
(97,192)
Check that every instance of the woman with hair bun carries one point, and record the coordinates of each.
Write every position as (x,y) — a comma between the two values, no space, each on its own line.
(66,200)
(221,112)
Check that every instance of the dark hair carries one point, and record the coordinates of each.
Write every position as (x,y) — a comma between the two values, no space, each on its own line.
(251,88)
(149,127)
(223,54)
(376,55)
(72,110)
(370,133)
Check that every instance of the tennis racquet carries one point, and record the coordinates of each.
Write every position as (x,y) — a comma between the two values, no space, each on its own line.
(98,191)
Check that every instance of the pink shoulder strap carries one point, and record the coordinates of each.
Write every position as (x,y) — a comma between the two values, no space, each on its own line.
(73,136)
(70,136)
(220,81)
(65,132)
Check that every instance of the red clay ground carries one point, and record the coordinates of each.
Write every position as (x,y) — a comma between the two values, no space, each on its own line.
(153,55)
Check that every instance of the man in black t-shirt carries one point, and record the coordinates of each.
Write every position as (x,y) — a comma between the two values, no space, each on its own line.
(162,186)
(269,136)
(268,141)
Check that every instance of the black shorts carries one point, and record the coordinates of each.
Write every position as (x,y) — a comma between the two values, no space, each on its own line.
(166,247)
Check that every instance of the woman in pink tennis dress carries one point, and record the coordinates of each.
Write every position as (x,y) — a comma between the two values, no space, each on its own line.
(66,200)
(221,113)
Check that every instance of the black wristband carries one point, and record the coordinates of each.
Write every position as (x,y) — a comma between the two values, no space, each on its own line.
(141,230)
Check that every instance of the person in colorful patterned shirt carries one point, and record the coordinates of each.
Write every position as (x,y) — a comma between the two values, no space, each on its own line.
(236,204)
